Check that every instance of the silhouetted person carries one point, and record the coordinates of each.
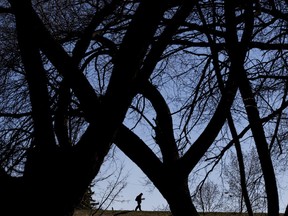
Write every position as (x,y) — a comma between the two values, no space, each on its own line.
(139,199)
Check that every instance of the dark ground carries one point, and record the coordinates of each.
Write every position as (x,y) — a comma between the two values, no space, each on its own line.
(150,213)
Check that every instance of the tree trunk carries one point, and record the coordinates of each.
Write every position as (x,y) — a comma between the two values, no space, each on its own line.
(261,144)
(53,184)
(175,190)
(180,203)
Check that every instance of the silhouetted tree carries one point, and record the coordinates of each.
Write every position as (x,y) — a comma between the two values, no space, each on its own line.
(254,182)
(79,76)
(209,197)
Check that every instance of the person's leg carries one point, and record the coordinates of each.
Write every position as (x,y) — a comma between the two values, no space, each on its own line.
(137,207)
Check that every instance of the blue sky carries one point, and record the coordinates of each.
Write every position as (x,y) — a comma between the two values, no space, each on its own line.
(135,185)
(153,199)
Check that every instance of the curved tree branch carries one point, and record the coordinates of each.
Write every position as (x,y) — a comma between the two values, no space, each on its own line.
(83,43)
(164,127)
(205,140)
(138,152)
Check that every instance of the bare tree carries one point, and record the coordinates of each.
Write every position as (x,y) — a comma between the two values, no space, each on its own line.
(254,179)
(209,197)
(110,183)
(79,76)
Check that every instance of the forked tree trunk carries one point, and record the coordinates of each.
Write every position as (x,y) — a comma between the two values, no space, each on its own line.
(53,184)
(175,190)
(180,203)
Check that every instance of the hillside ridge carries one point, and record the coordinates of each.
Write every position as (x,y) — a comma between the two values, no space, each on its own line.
(152,213)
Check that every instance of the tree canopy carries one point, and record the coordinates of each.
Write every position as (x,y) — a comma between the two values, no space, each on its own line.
(174,84)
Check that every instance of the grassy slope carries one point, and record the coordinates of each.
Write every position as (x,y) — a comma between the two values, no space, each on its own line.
(150,213)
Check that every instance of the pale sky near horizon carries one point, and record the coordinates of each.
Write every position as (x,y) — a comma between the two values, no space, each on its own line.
(136,185)
(153,199)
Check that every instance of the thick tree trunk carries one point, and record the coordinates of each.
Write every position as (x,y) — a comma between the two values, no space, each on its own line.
(175,190)
(35,200)
(53,184)
(180,203)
